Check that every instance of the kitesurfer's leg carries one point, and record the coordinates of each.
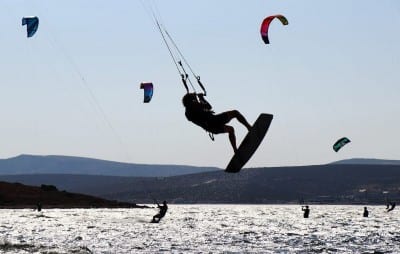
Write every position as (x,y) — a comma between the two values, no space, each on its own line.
(236,114)
(157,216)
(219,120)
(232,138)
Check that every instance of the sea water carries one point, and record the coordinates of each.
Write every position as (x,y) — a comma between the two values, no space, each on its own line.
(202,229)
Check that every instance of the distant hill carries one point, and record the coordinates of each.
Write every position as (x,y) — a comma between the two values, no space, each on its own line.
(333,183)
(363,161)
(16,195)
(320,183)
(52,164)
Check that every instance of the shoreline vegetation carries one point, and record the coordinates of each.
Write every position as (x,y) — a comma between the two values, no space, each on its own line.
(19,196)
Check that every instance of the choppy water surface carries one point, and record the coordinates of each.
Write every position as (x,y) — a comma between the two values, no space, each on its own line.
(202,228)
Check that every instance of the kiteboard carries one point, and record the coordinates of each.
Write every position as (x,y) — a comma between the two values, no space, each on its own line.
(250,143)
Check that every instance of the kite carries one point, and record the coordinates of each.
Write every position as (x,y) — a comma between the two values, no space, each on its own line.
(340,143)
(148,91)
(265,26)
(32,24)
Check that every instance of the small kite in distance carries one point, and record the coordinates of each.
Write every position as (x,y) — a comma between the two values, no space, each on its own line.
(340,143)
(265,26)
(32,24)
(148,91)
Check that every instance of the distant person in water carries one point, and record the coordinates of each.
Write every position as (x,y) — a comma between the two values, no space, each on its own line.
(199,111)
(39,207)
(163,210)
(306,211)
(366,213)
(392,206)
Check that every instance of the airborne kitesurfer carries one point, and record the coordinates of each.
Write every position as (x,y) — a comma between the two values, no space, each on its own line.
(199,111)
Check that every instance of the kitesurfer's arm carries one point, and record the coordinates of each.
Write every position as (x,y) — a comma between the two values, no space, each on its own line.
(205,104)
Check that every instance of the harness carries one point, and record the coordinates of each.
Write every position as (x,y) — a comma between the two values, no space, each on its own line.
(205,103)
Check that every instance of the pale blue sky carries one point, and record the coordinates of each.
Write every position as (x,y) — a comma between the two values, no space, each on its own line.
(332,72)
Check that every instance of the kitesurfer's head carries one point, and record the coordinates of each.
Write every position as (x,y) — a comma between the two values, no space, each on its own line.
(188,99)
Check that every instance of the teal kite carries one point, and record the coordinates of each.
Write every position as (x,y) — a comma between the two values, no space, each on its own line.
(32,24)
(340,143)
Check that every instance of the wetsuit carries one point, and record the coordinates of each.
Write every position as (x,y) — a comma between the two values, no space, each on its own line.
(365,214)
(199,111)
(306,212)
(163,210)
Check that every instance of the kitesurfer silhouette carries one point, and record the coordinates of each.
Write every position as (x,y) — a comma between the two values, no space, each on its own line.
(306,211)
(163,210)
(392,206)
(39,206)
(366,213)
(199,111)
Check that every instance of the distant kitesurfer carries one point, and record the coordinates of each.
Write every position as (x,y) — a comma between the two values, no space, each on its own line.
(392,206)
(306,211)
(163,210)
(199,111)
(39,207)
(366,213)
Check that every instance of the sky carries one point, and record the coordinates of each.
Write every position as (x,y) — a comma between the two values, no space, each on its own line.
(73,88)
